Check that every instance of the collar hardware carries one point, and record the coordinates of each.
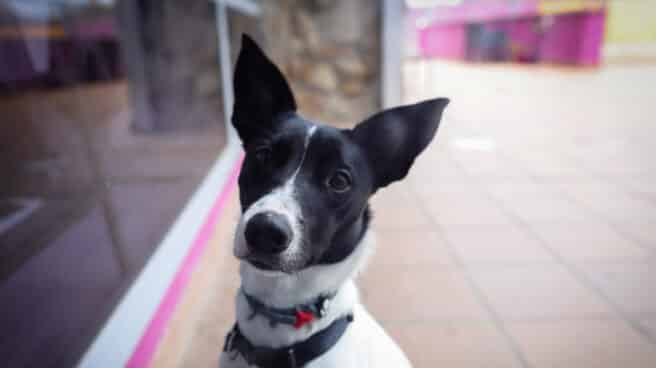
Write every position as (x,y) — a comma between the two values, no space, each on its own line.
(292,358)
(297,316)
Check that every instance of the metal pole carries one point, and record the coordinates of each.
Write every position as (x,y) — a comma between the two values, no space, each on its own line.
(225,61)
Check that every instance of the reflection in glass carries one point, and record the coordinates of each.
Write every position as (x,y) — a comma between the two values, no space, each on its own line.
(111,116)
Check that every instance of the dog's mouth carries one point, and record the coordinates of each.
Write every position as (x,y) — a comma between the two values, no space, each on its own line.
(269,267)
(261,265)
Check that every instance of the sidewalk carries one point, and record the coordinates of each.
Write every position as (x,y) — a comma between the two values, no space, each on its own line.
(524,237)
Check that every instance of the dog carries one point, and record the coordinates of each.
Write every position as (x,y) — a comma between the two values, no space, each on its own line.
(304,230)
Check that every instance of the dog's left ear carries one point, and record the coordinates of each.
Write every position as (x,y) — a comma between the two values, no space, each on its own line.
(261,92)
(393,138)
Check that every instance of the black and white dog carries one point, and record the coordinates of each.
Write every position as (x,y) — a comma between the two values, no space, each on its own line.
(304,230)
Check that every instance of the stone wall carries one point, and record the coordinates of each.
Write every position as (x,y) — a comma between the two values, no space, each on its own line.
(330,52)
(328,49)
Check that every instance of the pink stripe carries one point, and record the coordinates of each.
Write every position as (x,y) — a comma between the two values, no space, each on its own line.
(147,345)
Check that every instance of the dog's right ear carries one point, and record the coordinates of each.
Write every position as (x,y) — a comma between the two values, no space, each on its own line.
(393,138)
(261,92)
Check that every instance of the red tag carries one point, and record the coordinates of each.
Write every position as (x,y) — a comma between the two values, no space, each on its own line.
(302,318)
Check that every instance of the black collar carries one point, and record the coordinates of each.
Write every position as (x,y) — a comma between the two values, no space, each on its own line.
(293,356)
(296,316)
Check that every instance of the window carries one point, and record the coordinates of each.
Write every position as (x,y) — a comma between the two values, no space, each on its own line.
(112,116)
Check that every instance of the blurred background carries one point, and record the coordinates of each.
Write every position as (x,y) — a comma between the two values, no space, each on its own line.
(524,236)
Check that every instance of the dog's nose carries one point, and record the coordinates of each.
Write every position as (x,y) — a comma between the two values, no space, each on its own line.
(268,232)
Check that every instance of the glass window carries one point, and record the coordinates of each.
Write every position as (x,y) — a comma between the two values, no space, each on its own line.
(111,116)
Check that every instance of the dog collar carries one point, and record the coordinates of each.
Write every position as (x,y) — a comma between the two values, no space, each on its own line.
(297,316)
(293,356)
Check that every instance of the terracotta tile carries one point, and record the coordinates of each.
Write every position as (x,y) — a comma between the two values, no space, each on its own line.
(612,203)
(537,203)
(538,291)
(631,285)
(494,243)
(619,166)
(396,208)
(435,165)
(415,293)
(629,209)
(449,209)
(394,193)
(547,209)
(551,167)
(431,190)
(216,319)
(509,189)
(591,343)
(194,321)
(407,247)
(468,188)
(456,345)
(404,216)
(639,184)
(649,324)
(588,242)
(426,184)
(490,166)
(203,353)
(642,232)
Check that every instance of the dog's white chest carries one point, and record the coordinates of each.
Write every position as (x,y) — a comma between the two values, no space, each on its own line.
(365,344)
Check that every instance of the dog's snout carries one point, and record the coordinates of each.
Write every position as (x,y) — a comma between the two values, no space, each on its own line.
(268,232)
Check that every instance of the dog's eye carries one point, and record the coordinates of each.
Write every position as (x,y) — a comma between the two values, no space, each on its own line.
(262,154)
(340,181)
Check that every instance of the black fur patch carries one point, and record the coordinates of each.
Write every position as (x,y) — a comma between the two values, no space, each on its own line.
(375,153)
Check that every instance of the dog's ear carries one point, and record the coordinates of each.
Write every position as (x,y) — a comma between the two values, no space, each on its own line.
(393,138)
(261,91)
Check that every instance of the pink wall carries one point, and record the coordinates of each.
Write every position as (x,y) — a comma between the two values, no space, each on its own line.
(523,37)
(446,41)
(561,40)
(593,29)
(478,12)
(574,38)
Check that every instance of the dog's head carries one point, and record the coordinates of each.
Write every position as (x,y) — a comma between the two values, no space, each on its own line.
(304,186)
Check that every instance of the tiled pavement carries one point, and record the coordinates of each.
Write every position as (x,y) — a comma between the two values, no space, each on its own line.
(526,235)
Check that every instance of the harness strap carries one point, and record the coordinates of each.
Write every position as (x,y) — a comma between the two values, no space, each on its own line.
(293,356)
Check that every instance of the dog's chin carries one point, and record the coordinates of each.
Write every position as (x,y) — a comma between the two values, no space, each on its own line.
(270,265)
(269,268)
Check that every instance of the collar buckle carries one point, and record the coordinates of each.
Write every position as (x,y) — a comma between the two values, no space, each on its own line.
(324,303)
(296,316)
(229,346)
(291,356)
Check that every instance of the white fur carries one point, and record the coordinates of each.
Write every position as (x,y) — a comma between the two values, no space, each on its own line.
(282,201)
(365,343)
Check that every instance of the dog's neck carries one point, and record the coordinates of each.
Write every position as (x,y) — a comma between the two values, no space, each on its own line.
(279,290)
